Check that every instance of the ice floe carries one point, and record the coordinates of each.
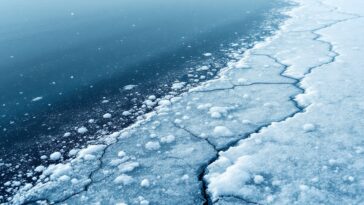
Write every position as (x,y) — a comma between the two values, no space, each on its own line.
(55,156)
(129,87)
(37,99)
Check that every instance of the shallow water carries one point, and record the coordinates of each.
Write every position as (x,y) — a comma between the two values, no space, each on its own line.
(65,62)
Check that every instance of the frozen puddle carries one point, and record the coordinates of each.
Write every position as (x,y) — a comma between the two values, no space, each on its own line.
(264,132)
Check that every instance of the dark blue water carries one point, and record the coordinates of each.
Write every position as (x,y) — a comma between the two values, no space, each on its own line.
(60,61)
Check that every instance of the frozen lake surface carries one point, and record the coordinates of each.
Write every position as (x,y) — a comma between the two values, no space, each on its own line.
(281,123)
(73,71)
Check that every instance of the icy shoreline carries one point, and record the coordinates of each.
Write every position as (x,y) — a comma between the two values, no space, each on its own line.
(162,159)
(108,114)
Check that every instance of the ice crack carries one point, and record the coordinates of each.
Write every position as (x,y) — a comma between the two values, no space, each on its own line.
(297,84)
(236,86)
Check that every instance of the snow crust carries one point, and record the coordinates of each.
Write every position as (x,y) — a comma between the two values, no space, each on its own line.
(281,125)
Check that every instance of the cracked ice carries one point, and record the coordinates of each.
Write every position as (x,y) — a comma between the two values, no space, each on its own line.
(280,126)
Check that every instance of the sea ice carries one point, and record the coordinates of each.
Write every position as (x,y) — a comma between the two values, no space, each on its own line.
(55,156)
(124,179)
(129,87)
(107,116)
(82,130)
(222,131)
(37,99)
(281,125)
(152,145)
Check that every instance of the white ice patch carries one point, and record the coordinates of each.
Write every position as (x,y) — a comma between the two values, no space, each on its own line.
(67,134)
(107,116)
(90,152)
(308,127)
(222,131)
(203,68)
(55,156)
(152,145)
(37,99)
(128,166)
(39,168)
(129,87)
(178,86)
(82,130)
(145,183)
(164,102)
(168,139)
(218,112)
(241,64)
(73,152)
(258,179)
(121,154)
(124,180)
